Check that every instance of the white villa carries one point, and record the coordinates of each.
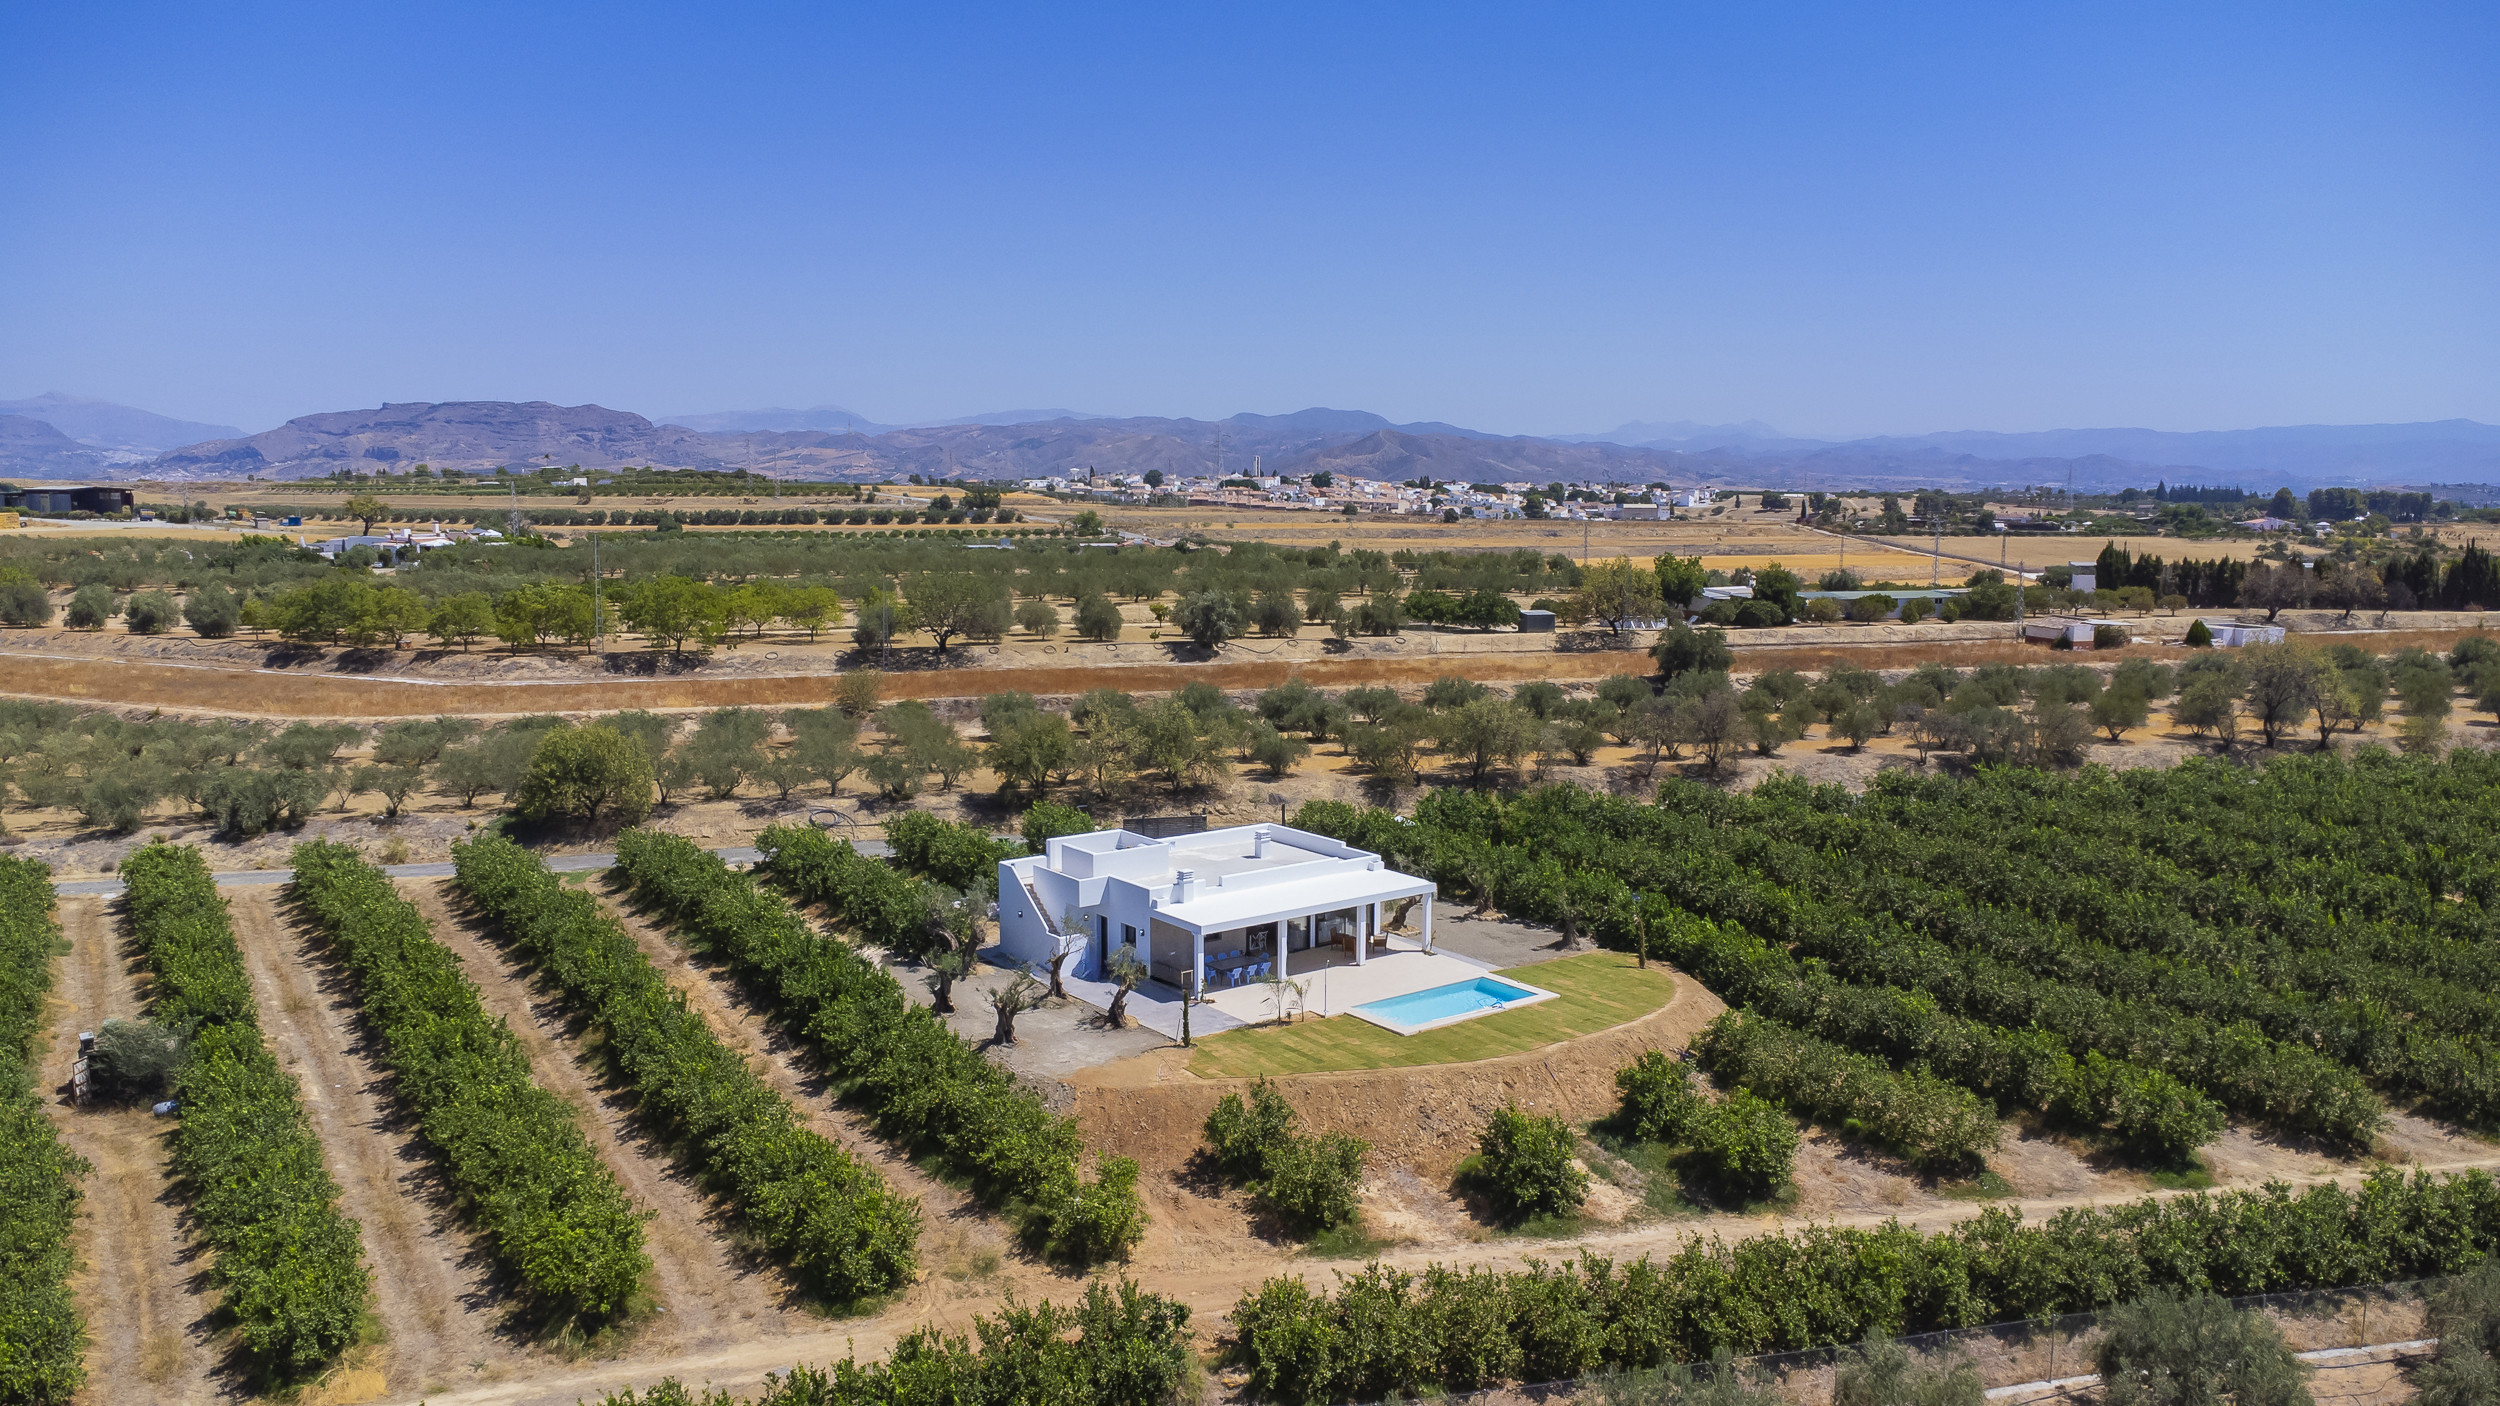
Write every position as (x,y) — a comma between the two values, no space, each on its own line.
(1220,910)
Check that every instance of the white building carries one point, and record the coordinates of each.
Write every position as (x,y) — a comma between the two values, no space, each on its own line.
(1217,909)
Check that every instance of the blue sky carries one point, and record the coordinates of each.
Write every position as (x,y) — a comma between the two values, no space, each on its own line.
(1837,219)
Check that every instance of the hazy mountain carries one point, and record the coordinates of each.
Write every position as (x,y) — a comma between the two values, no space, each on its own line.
(1397,454)
(823,417)
(32,448)
(836,420)
(473,435)
(470,434)
(2272,457)
(100,424)
(1021,417)
(1687,435)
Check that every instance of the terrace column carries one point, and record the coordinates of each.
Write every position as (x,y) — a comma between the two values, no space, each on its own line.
(1198,965)
(1280,949)
(1427,922)
(1362,938)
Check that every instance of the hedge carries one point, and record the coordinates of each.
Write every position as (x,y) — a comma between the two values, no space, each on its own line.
(1930,1123)
(834,1222)
(958,856)
(924,1084)
(42,1338)
(1129,1348)
(1386,1332)
(291,1265)
(511,1151)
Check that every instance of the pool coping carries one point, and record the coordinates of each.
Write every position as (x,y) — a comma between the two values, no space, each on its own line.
(1399,1027)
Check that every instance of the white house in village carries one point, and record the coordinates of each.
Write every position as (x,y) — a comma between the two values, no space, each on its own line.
(1210,911)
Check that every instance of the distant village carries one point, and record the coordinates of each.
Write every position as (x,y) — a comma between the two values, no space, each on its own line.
(1342,493)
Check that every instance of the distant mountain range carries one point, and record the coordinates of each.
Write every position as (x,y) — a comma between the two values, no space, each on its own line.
(74,438)
(67,436)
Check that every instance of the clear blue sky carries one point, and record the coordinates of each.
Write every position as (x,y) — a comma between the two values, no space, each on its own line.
(1837,219)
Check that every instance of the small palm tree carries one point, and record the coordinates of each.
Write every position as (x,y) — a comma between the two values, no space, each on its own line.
(1125,971)
(1278,987)
(1012,1000)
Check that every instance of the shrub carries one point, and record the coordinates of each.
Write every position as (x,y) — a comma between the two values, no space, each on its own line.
(212,612)
(89,607)
(577,772)
(248,801)
(958,856)
(1528,1165)
(511,1150)
(2465,1317)
(2198,637)
(1881,1372)
(834,1222)
(1928,1121)
(23,600)
(1659,1103)
(151,613)
(1744,1146)
(2167,1350)
(1045,821)
(1308,1183)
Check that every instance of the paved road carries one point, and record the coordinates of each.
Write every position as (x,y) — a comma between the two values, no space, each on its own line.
(560,863)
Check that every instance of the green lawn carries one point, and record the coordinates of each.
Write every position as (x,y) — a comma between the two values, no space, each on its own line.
(1594,991)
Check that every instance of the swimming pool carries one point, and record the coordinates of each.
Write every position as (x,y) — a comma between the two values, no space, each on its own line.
(1442,1005)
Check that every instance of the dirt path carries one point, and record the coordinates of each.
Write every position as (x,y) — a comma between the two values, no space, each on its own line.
(708,1295)
(443,1321)
(1211,1288)
(140,1282)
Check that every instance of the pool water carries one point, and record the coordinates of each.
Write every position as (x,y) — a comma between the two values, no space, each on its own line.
(1439,1003)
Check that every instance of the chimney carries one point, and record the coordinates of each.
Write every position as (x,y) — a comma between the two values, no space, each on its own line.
(1184,885)
(1258,843)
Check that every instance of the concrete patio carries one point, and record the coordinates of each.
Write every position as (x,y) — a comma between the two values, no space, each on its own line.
(1333,987)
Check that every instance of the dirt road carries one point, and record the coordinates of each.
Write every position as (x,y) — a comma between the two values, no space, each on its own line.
(1211,1288)
(141,1283)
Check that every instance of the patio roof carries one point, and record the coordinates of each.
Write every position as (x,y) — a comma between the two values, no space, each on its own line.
(1221,909)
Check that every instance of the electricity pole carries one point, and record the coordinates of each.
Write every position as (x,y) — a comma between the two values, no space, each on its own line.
(595,621)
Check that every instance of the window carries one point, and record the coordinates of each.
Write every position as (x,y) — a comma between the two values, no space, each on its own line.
(1128,935)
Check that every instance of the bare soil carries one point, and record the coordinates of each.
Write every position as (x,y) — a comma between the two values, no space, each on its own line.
(444,1320)
(706,1293)
(960,1241)
(142,1282)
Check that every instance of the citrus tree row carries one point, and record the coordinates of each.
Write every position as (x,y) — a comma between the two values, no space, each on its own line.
(1115,1347)
(924,1084)
(834,1222)
(511,1151)
(2072,913)
(41,1337)
(2014,1039)
(2142,1112)
(1563,852)
(1389,1333)
(289,1263)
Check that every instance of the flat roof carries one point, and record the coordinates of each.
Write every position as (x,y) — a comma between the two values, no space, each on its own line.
(1265,903)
